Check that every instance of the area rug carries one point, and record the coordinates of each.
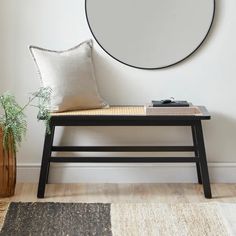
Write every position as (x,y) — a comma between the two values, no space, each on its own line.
(119,219)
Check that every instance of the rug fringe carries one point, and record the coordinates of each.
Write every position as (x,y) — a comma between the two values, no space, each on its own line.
(3,210)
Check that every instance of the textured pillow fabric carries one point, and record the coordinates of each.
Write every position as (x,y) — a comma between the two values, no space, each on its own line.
(70,75)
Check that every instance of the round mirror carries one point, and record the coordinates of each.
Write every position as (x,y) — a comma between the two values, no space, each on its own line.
(150,34)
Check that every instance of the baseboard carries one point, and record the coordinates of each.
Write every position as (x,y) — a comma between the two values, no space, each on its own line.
(127,173)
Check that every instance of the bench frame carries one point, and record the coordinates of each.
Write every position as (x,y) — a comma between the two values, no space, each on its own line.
(198,147)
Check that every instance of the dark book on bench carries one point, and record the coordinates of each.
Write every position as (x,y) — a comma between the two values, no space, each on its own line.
(166,103)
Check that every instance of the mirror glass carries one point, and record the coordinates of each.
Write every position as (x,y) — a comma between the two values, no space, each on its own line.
(150,34)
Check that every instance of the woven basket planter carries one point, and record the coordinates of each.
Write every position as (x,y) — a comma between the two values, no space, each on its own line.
(7,169)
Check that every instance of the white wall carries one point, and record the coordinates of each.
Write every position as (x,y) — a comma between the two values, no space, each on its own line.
(207,78)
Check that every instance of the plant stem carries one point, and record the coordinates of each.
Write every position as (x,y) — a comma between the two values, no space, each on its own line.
(26,105)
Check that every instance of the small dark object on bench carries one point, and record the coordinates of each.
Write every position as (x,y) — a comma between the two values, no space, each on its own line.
(170,103)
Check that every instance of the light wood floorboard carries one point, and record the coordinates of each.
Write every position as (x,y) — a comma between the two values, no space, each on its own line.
(114,193)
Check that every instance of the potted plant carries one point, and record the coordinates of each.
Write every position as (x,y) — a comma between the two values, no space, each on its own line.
(13,127)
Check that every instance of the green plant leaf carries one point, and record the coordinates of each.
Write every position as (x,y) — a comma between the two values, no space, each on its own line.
(13,121)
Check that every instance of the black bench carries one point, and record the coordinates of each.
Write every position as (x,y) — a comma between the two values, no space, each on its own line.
(127,116)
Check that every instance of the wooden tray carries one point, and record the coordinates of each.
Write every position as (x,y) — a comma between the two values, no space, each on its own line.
(182,111)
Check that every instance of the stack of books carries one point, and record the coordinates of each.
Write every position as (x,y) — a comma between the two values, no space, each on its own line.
(170,103)
(170,107)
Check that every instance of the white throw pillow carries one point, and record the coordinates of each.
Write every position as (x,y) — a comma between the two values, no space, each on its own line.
(70,75)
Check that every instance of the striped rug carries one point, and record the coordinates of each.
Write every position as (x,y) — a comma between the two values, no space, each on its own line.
(119,219)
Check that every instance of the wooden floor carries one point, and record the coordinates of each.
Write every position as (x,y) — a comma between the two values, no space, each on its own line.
(135,193)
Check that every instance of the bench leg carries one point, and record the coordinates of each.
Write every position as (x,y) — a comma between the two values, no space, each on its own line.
(45,164)
(199,174)
(47,176)
(203,160)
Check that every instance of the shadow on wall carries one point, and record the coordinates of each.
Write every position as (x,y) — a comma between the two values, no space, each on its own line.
(124,136)
(220,136)
(113,80)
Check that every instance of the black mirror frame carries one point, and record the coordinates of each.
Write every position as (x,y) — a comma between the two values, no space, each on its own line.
(155,68)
